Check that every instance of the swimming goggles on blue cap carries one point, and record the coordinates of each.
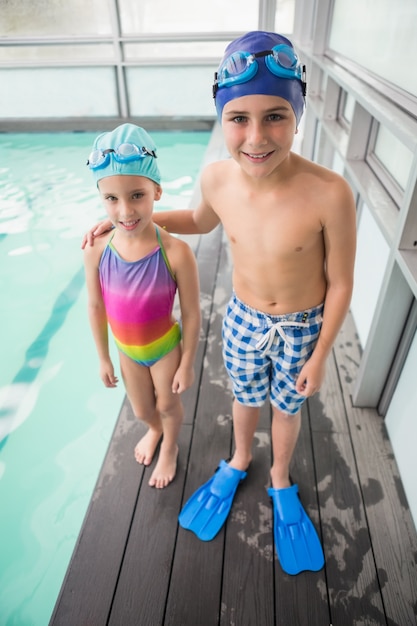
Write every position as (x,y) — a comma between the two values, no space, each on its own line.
(125,153)
(240,67)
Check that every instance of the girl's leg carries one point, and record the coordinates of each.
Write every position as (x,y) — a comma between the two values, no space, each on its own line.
(171,414)
(245,421)
(141,393)
(285,430)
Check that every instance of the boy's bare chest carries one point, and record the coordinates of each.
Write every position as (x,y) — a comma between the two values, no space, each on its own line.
(273,229)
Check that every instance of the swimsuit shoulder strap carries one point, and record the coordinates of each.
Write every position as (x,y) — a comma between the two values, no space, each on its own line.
(164,254)
(109,243)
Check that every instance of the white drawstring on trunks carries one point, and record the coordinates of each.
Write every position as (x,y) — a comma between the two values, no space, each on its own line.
(267,339)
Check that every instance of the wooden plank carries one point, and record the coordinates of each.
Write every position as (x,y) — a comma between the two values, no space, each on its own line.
(327,408)
(207,253)
(194,595)
(350,568)
(157,513)
(394,536)
(133,565)
(352,579)
(248,582)
(146,569)
(100,546)
(116,492)
(301,600)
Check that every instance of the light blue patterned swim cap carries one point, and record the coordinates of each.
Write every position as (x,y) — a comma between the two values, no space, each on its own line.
(128,150)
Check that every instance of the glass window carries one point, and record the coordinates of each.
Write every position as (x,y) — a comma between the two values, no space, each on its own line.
(373,35)
(371,259)
(323,85)
(23,18)
(338,164)
(184,90)
(182,16)
(345,110)
(390,159)
(152,51)
(58,92)
(284,16)
(42,54)
(347,107)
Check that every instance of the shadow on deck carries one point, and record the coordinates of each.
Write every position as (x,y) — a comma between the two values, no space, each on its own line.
(134,566)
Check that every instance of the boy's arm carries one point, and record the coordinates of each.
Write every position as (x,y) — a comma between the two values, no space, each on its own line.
(185,267)
(97,316)
(197,221)
(339,232)
(189,221)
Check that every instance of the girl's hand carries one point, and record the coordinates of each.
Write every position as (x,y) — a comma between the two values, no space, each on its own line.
(183,379)
(107,374)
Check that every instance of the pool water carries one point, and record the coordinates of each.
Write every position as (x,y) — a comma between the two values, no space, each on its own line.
(56,417)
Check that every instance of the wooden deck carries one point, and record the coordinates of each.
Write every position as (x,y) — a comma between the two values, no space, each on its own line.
(133,565)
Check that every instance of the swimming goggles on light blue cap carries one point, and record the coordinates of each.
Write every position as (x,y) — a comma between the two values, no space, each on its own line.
(240,67)
(125,153)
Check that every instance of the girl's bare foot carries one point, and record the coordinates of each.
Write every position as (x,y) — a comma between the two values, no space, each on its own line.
(145,448)
(165,469)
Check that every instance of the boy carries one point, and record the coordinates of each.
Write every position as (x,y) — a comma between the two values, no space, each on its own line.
(291,225)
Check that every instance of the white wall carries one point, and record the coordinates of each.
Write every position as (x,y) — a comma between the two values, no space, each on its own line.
(401,421)
(371,258)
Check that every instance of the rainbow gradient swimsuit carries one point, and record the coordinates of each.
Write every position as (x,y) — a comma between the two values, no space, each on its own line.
(139,298)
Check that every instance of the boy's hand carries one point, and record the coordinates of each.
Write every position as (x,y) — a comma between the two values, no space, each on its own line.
(95,231)
(310,379)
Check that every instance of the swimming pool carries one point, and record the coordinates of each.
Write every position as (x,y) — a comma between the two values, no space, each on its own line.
(56,417)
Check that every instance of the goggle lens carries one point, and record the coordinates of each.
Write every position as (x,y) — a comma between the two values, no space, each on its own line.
(128,150)
(240,67)
(236,64)
(285,58)
(123,154)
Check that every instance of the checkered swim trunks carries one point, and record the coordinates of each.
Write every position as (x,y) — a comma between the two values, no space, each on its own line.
(264,353)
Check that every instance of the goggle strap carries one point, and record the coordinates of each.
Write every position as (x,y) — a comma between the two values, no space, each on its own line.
(264,53)
(215,84)
(304,79)
(143,150)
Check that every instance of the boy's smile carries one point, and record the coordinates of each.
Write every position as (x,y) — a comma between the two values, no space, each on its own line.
(257,128)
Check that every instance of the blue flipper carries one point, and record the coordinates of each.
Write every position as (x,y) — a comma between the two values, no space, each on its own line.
(207,509)
(296,540)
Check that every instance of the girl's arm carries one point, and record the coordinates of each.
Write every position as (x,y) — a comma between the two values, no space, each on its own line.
(97,315)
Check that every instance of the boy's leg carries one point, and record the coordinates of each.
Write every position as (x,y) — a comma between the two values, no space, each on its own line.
(245,421)
(297,543)
(284,431)
(207,509)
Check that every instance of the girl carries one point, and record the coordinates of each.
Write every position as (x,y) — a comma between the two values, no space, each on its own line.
(132,276)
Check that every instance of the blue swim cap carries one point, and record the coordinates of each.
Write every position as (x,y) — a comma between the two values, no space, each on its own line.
(263,82)
(127,150)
